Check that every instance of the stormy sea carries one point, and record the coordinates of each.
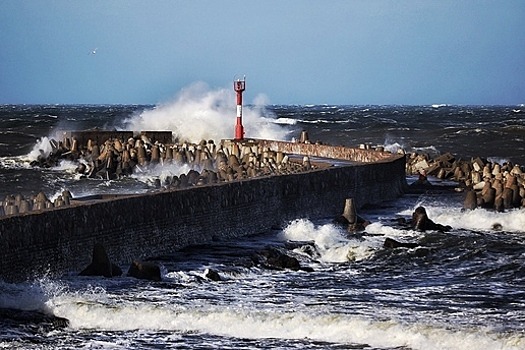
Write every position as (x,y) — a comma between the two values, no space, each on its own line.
(467,291)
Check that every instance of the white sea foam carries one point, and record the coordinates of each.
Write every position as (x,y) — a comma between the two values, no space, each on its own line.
(160,171)
(478,219)
(41,148)
(287,121)
(200,113)
(392,146)
(94,312)
(497,160)
(512,220)
(196,113)
(94,308)
(14,162)
(66,166)
(330,241)
(380,229)
(427,149)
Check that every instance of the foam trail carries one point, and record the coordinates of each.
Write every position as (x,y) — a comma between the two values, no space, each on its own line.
(199,113)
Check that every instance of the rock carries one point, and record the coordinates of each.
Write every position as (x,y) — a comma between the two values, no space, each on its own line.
(420,165)
(145,270)
(100,264)
(350,219)
(42,320)
(310,250)
(273,258)
(392,243)
(422,180)
(421,252)
(421,185)
(471,200)
(421,221)
(212,275)
(277,259)
(349,211)
(488,195)
(497,226)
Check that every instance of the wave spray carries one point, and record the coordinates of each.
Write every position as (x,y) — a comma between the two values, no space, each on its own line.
(200,113)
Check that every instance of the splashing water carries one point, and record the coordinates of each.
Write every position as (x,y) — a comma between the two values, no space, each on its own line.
(329,240)
(160,171)
(42,148)
(476,220)
(199,113)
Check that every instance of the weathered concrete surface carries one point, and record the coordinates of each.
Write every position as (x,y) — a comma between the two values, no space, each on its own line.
(327,151)
(135,227)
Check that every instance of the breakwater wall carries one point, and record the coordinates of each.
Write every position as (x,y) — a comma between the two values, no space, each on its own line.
(59,241)
(327,151)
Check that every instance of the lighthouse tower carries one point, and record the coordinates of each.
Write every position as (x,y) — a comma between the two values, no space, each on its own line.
(239,86)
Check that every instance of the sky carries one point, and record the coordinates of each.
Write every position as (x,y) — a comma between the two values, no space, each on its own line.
(468,52)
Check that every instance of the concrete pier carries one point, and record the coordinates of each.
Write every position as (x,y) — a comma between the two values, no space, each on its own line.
(60,241)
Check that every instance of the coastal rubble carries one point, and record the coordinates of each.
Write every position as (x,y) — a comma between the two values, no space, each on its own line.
(116,158)
(486,184)
(109,156)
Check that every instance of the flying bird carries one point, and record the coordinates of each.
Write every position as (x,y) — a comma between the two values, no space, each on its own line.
(94,51)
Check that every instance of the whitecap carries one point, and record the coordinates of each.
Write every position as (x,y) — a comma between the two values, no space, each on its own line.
(96,312)
(287,121)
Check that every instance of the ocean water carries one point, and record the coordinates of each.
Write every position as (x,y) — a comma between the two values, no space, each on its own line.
(463,289)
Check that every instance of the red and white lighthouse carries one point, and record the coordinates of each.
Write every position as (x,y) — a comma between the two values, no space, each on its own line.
(239,86)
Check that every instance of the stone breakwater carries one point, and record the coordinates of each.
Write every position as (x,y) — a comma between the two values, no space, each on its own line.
(121,154)
(60,239)
(487,184)
(209,163)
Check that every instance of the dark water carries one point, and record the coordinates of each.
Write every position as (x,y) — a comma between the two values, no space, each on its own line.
(463,289)
(496,132)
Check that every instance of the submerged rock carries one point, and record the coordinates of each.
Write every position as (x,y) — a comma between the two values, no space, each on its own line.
(32,318)
(274,258)
(392,243)
(212,275)
(145,270)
